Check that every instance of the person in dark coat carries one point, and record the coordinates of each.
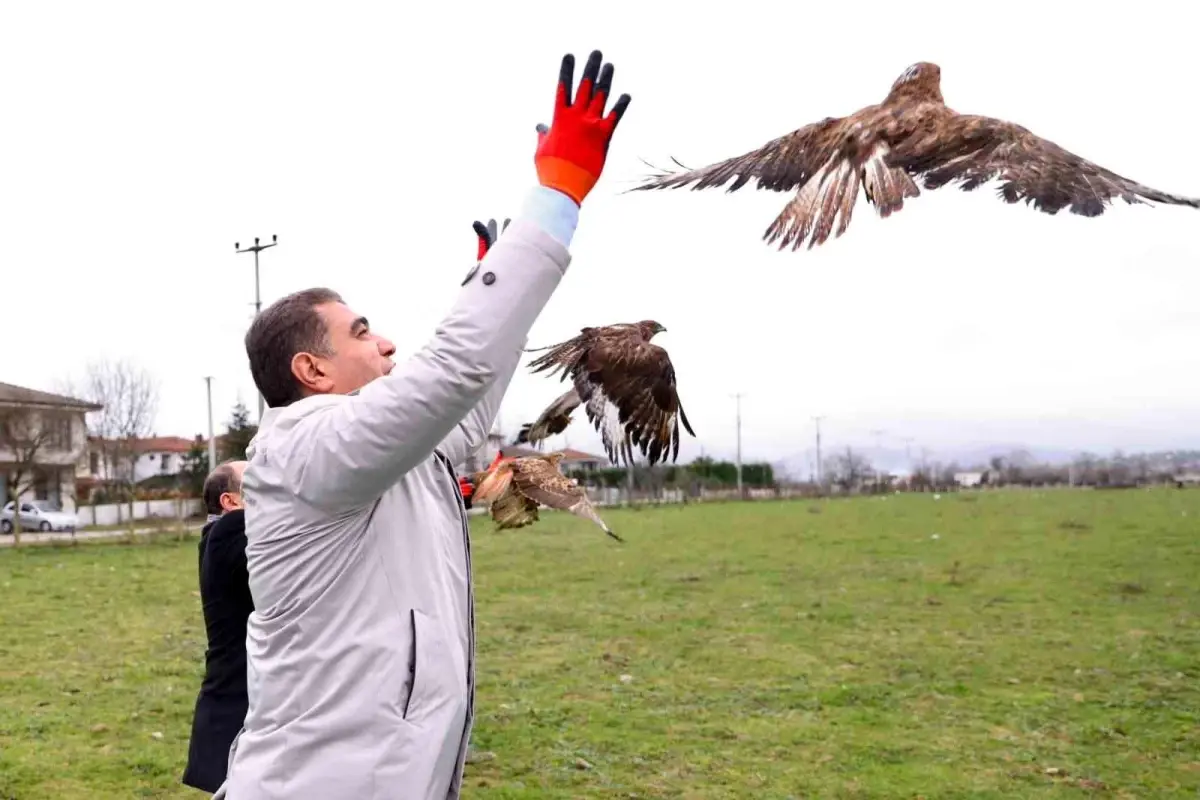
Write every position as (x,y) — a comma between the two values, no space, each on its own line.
(225,596)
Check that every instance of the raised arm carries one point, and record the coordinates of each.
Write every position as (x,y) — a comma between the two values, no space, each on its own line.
(557,213)
(349,451)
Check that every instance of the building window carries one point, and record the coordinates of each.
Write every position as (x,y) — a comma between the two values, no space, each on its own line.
(41,486)
(60,430)
(166,462)
(94,463)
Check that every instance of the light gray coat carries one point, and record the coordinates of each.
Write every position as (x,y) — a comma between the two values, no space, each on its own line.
(361,648)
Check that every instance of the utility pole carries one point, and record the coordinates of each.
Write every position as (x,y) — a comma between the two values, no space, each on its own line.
(738,398)
(212,442)
(629,474)
(817,420)
(256,249)
(878,472)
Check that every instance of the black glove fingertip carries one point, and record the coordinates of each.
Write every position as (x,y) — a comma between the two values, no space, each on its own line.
(566,75)
(590,71)
(618,109)
(604,84)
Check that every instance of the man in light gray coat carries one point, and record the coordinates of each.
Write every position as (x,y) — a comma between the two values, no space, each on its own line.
(361,647)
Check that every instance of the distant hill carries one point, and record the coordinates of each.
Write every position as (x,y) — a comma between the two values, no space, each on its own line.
(966,456)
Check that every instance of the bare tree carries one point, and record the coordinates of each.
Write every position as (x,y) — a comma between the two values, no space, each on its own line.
(1085,468)
(848,470)
(129,395)
(25,435)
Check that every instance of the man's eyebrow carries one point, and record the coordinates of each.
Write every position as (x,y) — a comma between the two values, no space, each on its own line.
(359,325)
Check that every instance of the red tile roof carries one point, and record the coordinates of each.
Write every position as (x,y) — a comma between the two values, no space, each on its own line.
(162,444)
(578,455)
(569,455)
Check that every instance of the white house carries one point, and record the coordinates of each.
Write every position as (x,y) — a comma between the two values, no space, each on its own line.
(155,455)
(968,479)
(43,440)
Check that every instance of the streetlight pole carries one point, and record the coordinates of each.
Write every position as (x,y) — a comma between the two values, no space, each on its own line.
(212,443)
(256,249)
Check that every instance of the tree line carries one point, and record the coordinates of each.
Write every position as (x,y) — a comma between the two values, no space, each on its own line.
(852,471)
(702,472)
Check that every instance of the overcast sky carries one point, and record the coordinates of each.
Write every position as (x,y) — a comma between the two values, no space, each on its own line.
(143,140)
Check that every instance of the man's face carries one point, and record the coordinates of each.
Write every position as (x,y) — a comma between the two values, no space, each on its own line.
(231,501)
(358,355)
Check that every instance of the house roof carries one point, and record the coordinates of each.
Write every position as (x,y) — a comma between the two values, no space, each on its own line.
(11,394)
(569,455)
(162,444)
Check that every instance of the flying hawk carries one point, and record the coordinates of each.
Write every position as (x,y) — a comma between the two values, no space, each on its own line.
(553,420)
(911,134)
(626,385)
(515,487)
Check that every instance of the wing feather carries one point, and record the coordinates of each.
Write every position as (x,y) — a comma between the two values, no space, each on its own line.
(552,421)
(542,481)
(627,388)
(971,150)
(780,165)
(825,162)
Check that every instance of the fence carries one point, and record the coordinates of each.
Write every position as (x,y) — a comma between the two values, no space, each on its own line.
(620,495)
(116,513)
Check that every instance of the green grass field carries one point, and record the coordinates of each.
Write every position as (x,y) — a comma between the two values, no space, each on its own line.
(1024,644)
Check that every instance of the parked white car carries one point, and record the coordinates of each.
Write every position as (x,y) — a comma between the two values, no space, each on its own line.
(38,515)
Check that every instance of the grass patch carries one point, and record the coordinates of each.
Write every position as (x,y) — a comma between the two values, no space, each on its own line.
(1027,644)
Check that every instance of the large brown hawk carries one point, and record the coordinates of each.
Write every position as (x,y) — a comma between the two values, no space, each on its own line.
(626,385)
(911,134)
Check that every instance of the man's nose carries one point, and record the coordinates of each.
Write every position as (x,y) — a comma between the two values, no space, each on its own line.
(386,348)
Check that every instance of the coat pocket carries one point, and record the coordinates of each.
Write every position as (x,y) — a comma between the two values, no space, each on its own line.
(426,661)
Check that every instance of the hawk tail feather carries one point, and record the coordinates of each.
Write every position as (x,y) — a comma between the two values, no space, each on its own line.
(584,509)
(829,199)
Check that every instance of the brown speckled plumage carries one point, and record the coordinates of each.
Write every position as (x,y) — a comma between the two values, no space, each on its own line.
(626,385)
(911,134)
(515,486)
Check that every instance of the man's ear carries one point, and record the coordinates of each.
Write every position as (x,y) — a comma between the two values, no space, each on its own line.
(311,371)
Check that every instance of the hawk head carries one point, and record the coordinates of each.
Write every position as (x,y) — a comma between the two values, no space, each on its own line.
(922,79)
(648,328)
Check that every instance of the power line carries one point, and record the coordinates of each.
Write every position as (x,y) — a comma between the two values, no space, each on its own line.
(256,249)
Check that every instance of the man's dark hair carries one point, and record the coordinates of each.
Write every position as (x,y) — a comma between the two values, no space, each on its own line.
(221,480)
(288,326)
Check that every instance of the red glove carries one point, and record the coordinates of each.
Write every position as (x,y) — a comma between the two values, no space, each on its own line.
(571,152)
(487,235)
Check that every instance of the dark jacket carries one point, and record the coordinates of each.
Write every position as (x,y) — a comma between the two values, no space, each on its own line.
(221,704)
